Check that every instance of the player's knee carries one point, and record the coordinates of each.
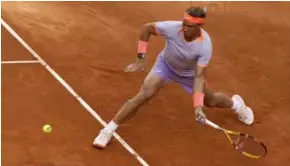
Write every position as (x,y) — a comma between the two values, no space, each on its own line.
(147,91)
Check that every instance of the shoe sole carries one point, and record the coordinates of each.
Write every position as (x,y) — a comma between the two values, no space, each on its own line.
(99,146)
(252,115)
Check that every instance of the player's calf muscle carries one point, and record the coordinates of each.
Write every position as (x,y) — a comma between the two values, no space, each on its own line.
(210,102)
(127,109)
(132,105)
(218,100)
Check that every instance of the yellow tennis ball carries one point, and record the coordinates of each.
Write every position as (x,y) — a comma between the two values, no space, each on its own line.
(46,128)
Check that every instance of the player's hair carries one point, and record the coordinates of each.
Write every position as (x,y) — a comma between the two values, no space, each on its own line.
(197,12)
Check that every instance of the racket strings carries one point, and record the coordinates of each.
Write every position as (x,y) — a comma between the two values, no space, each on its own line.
(248,144)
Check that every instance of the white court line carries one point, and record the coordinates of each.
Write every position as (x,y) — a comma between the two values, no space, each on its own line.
(19,62)
(70,89)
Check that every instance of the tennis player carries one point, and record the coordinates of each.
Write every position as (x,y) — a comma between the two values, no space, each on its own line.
(183,60)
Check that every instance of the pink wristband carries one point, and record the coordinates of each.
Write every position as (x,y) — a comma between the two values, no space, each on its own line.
(198,99)
(142,46)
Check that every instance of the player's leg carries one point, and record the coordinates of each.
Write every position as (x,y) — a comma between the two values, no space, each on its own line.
(236,103)
(150,87)
(153,82)
(216,99)
(220,100)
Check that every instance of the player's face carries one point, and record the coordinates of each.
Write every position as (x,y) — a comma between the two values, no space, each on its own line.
(189,28)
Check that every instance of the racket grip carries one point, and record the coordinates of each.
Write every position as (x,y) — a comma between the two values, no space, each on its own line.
(200,120)
(203,120)
(211,124)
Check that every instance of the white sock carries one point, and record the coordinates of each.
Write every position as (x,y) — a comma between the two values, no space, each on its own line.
(236,105)
(111,127)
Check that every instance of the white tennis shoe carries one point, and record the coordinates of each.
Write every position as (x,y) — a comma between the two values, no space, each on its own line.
(102,140)
(245,114)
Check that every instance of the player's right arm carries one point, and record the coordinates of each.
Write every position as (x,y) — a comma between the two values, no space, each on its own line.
(161,28)
(148,29)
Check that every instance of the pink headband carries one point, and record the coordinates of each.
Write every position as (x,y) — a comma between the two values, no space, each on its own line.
(192,19)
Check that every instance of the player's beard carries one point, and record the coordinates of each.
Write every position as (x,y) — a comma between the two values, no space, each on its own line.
(192,34)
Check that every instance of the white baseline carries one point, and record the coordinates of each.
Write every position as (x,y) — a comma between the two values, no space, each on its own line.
(20,62)
(70,89)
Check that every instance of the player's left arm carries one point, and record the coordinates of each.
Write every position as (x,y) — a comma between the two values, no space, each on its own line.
(199,79)
(198,85)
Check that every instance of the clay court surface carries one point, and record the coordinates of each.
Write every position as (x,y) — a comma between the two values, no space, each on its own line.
(89,43)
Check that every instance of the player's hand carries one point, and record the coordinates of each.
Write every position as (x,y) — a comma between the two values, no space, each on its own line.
(199,114)
(138,65)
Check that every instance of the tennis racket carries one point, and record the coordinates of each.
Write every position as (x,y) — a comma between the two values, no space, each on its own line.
(243,143)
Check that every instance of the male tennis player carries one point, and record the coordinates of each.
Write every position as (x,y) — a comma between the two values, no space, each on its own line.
(183,60)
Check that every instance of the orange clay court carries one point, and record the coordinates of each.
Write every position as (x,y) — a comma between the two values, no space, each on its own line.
(88,44)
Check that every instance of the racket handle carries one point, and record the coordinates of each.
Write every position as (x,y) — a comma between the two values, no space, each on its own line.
(208,122)
(213,125)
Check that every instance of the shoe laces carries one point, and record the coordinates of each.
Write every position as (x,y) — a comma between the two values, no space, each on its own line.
(105,133)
